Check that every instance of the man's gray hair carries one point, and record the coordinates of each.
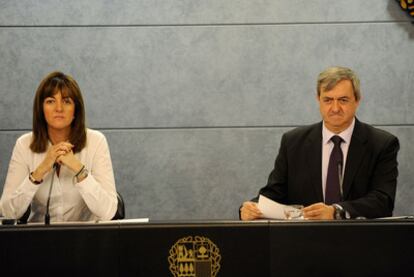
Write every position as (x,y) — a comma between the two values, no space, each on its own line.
(331,76)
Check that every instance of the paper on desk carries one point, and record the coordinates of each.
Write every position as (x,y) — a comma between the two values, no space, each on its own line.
(397,217)
(132,220)
(271,209)
(274,210)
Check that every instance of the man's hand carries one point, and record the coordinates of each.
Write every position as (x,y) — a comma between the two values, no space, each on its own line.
(318,211)
(250,211)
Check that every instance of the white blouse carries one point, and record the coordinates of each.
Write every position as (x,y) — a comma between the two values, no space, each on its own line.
(94,198)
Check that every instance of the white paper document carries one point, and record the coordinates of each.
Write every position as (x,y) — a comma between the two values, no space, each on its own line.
(274,210)
(117,221)
(131,220)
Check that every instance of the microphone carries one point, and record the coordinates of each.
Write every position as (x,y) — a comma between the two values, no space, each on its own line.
(47,215)
(341,180)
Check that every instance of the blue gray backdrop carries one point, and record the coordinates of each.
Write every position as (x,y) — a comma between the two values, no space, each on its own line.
(194,95)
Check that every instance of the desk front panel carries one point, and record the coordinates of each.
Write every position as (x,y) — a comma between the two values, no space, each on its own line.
(348,248)
(60,251)
(149,250)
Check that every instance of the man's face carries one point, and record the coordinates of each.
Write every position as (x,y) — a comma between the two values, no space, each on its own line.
(338,106)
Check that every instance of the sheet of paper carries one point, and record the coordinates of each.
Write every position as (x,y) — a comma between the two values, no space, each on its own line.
(131,220)
(397,217)
(271,209)
(274,210)
(117,221)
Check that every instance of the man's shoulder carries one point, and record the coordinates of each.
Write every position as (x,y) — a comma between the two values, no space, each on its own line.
(372,133)
(305,131)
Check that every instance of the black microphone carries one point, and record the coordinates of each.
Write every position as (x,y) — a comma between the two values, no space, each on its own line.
(47,215)
(341,180)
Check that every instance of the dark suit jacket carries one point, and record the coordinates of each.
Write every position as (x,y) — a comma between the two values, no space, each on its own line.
(370,177)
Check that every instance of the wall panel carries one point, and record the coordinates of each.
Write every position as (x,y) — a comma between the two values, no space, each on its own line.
(195,95)
(173,12)
(208,76)
(205,173)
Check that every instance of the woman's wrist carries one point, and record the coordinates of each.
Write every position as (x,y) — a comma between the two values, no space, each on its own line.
(77,167)
(81,174)
(38,174)
(34,180)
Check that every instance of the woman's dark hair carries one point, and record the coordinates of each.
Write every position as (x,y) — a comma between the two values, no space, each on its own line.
(54,83)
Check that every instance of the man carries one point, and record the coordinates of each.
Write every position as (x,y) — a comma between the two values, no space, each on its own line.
(338,168)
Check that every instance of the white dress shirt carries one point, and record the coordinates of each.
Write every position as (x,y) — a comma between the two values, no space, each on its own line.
(94,198)
(327,146)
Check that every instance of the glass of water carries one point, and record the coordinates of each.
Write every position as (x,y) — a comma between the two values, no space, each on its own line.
(293,212)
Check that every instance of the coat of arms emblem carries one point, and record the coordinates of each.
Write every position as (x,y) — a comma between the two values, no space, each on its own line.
(194,257)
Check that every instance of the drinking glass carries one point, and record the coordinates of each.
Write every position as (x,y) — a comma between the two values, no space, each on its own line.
(293,212)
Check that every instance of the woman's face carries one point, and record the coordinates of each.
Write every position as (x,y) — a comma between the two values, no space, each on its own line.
(59,111)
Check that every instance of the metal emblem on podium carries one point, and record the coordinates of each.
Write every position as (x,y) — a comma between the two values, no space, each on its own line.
(194,257)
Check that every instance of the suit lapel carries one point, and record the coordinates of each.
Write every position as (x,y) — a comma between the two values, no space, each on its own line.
(314,160)
(355,155)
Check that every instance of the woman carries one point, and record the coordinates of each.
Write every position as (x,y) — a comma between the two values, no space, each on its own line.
(60,150)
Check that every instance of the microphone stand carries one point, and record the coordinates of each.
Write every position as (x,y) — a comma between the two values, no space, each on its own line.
(341,180)
(47,215)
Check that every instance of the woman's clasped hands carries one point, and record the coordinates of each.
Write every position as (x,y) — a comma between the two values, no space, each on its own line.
(60,153)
